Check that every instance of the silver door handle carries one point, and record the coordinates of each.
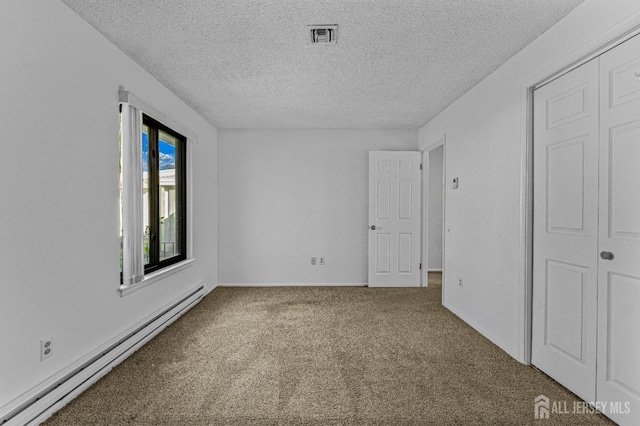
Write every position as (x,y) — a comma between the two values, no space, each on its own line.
(606,255)
(373,227)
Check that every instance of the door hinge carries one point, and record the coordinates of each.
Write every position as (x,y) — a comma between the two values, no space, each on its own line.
(420,265)
(420,166)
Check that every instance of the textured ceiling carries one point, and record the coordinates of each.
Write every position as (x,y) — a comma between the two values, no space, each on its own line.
(249,63)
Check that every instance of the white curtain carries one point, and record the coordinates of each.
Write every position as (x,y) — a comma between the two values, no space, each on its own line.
(132,213)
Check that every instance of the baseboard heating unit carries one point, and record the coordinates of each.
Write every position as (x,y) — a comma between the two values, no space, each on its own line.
(36,406)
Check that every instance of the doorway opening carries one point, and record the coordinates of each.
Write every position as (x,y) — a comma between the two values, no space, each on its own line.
(434,202)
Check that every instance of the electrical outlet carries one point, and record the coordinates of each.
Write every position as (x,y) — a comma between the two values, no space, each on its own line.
(313,260)
(322,260)
(460,282)
(455,183)
(46,348)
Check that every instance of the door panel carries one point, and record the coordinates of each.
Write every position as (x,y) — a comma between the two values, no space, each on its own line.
(622,76)
(569,105)
(405,200)
(383,202)
(624,180)
(566,186)
(565,229)
(383,253)
(565,288)
(405,245)
(619,278)
(394,210)
(622,292)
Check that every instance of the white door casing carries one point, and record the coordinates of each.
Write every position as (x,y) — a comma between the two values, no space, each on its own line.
(565,231)
(394,219)
(619,278)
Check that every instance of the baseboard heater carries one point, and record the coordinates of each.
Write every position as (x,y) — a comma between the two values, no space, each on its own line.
(46,402)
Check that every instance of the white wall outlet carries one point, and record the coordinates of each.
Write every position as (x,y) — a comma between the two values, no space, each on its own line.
(455,183)
(46,348)
(313,260)
(460,282)
(322,260)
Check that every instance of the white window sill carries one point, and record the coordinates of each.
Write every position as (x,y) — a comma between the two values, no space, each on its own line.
(155,276)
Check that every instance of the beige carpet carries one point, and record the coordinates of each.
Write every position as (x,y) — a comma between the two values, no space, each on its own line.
(319,356)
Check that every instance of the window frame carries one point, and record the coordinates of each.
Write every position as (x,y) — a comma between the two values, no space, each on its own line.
(155,263)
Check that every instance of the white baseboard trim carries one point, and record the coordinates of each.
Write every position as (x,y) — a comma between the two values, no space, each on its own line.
(434,270)
(292,284)
(39,403)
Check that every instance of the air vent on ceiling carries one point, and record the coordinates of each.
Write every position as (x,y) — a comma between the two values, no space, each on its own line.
(323,33)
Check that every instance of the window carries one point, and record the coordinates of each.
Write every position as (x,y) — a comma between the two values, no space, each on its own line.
(164,190)
(153,232)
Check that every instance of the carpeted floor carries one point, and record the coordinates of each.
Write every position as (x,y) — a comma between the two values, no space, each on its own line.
(320,356)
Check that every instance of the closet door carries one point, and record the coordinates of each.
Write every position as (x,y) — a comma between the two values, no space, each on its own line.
(566,229)
(619,276)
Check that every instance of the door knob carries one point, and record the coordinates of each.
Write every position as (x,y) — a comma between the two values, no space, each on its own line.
(606,255)
(373,227)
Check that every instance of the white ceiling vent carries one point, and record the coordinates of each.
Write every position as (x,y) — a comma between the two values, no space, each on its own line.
(323,33)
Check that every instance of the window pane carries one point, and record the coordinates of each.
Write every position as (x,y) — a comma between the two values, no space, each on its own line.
(169,198)
(145,192)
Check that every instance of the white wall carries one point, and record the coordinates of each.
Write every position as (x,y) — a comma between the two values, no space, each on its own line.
(434,227)
(288,195)
(59,251)
(486,134)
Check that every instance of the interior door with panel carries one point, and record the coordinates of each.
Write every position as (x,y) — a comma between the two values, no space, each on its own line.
(394,219)
(565,230)
(619,244)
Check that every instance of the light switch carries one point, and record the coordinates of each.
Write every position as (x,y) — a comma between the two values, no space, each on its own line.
(455,183)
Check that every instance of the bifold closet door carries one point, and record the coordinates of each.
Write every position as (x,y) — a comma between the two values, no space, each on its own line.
(618,368)
(565,231)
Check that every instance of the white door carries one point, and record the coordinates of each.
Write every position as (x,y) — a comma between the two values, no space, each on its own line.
(565,234)
(619,277)
(394,219)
